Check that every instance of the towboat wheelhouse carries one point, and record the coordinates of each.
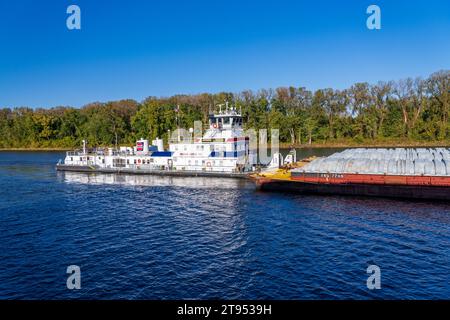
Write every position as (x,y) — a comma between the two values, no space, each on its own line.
(224,147)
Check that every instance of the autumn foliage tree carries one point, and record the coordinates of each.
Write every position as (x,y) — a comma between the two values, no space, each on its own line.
(409,110)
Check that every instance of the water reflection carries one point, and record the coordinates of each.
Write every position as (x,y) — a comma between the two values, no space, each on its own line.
(187,203)
(153,181)
(378,207)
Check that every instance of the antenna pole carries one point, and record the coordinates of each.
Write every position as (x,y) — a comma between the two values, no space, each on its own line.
(178,123)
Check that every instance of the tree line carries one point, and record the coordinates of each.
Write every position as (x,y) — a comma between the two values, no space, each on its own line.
(408,110)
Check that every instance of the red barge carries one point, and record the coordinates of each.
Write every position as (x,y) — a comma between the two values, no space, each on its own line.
(399,173)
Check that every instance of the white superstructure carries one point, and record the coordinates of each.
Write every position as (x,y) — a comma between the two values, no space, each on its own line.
(224,147)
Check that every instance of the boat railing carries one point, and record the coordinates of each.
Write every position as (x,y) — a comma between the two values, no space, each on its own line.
(90,152)
(148,167)
(181,140)
(75,153)
(121,153)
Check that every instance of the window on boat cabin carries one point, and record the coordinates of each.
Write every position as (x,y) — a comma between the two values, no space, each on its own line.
(134,161)
(128,161)
(226,120)
(103,160)
(71,158)
(81,158)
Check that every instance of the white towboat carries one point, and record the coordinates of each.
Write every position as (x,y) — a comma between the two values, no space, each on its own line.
(223,150)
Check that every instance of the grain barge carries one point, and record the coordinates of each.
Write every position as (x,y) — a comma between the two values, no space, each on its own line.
(413,173)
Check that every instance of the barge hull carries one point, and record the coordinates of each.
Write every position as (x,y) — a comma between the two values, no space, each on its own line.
(372,190)
(172,173)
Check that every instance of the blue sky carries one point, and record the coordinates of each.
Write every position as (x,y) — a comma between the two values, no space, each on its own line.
(134,49)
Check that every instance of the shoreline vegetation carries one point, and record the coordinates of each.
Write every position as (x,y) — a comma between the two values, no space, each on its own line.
(318,145)
(412,112)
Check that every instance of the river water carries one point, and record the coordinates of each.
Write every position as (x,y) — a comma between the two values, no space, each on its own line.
(142,237)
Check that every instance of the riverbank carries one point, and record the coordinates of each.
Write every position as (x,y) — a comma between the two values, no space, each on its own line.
(369,144)
(314,145)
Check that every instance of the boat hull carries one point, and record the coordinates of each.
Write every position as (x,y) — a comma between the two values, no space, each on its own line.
(373,190)
(172,173)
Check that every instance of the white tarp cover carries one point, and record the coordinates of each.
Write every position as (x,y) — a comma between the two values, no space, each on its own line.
(398,161)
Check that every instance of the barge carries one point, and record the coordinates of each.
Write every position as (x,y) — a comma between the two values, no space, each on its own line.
(398,173)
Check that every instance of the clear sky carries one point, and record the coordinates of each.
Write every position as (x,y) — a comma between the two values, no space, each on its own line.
(134,49)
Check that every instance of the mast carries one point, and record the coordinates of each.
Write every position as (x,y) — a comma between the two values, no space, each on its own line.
(178,123)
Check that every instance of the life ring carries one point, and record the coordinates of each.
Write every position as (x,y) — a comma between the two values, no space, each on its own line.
(208,164)
(139,161)
(214,125)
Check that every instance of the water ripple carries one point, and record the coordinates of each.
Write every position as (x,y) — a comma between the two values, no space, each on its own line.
(140,237)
